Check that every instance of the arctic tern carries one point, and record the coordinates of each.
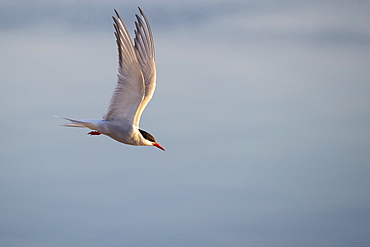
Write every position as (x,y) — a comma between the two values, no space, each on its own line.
(134,89)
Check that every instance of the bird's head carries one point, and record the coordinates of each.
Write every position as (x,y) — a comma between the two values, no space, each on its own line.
(151,139)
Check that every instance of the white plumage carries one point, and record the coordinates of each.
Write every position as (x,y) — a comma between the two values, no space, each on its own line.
(134,89)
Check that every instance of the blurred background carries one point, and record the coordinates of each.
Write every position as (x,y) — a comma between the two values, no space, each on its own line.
(263,108)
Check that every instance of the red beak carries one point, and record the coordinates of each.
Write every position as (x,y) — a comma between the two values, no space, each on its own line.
(158,146)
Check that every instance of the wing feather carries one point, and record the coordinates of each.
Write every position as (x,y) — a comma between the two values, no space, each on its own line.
(130,89)
(144,49)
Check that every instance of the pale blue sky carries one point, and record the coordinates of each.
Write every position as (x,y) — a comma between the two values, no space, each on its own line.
(262,107)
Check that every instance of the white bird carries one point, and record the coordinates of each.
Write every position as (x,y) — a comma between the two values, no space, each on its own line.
(134,89)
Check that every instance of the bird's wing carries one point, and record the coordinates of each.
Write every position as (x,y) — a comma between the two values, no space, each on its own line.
(130,90)
(144,48)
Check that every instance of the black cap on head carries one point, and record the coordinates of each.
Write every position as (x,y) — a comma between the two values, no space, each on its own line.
(147,136)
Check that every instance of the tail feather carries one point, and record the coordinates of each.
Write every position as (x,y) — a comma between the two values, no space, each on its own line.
(78,123)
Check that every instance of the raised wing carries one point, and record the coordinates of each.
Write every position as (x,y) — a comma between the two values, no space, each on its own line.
(130,90)
(144,48)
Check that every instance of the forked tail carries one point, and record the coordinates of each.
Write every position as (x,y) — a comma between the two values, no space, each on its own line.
(78,123)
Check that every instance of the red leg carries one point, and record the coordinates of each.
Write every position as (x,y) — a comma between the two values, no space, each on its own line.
(94,133)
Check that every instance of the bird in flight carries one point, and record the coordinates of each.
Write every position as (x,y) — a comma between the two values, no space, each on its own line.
(134,89)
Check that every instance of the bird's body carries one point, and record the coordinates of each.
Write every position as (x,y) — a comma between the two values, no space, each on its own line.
(134,89)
